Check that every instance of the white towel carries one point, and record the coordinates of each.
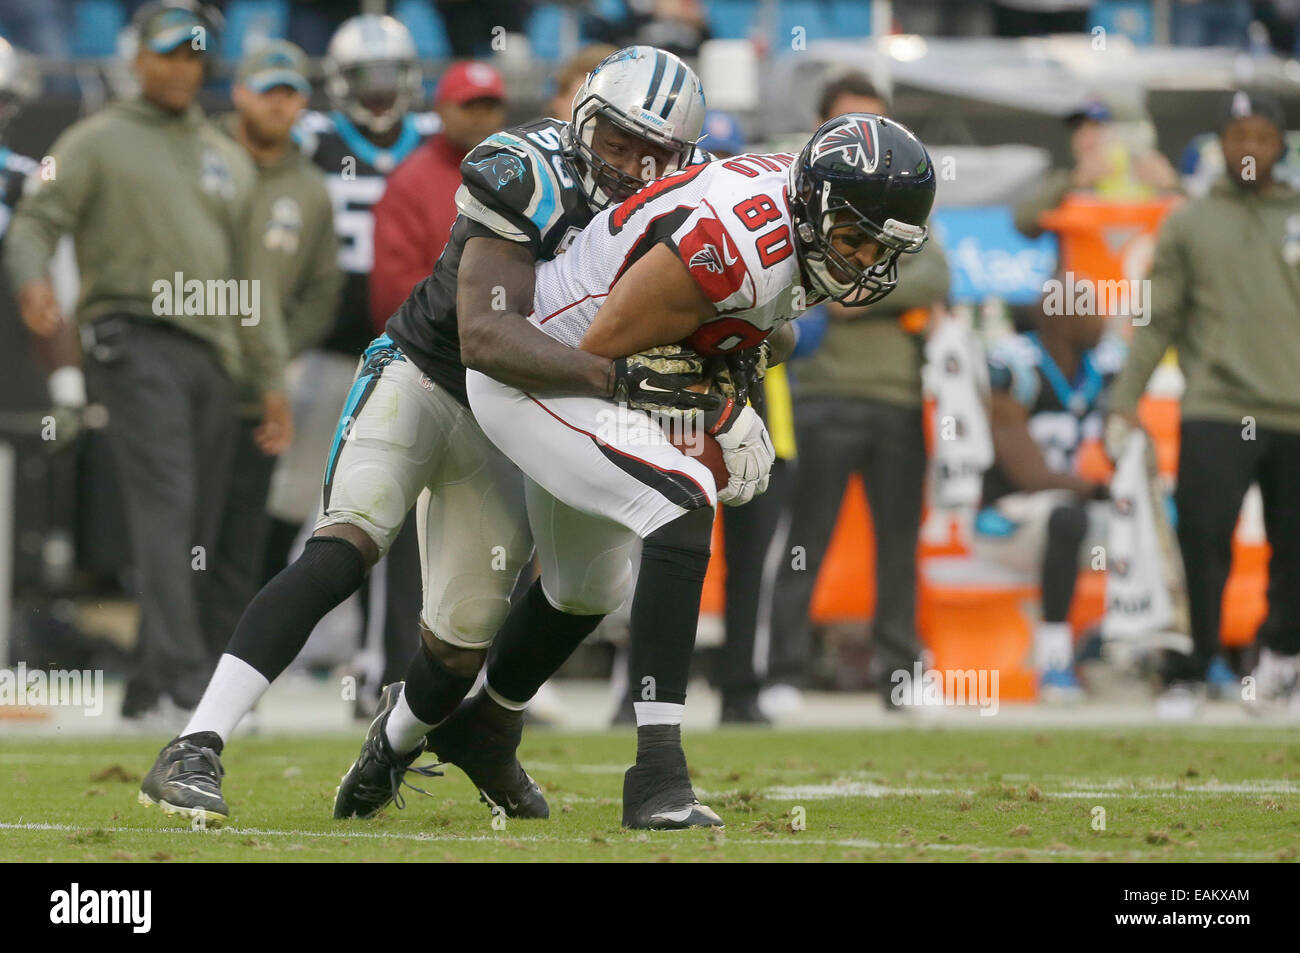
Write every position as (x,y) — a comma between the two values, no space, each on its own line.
(1145,597)
(963,444)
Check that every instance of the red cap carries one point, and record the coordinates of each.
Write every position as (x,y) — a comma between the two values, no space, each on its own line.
(466,81)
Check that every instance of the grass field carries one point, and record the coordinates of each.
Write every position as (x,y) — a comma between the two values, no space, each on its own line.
(1187,794)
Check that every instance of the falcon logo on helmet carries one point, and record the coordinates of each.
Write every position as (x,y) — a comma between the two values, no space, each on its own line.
(644,92)
(855,143)
(861,181)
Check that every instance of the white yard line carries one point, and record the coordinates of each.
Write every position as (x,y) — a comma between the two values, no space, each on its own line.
(780,840)
(1080,789)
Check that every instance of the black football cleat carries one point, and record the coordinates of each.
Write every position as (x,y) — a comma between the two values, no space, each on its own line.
(657,794)
(377,776)
(485,748)
(186,781)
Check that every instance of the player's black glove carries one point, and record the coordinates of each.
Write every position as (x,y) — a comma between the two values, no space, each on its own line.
(658,380)
(747,368)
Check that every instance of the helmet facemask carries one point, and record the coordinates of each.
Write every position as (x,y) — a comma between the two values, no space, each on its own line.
(602,183)
(375,94)
(820,217)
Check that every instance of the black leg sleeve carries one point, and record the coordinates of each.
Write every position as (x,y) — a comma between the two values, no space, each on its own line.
(1066,528)
(532,644)
(280,619)
(403,598)
(666,607)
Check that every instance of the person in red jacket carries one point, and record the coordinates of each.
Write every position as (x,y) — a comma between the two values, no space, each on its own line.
(413,220)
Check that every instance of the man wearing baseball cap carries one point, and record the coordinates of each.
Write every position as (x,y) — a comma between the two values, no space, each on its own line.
(150,190)
(295,258)
(413,220)
(1225,292)
(1101,164)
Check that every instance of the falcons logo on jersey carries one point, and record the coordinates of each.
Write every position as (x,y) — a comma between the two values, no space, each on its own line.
(708,257)
(854,142)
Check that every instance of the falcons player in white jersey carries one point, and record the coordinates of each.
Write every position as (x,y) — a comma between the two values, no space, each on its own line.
(718,258)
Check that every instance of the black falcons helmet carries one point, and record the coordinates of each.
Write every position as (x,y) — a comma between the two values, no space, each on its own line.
(866,172)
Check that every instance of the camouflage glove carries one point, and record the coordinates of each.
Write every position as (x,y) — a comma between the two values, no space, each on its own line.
(658,380)
(736,374)
(749,364)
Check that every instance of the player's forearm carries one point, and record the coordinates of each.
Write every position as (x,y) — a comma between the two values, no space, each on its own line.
(1168,309)
(1047,194)
(1022,462)
(509,348)
(28,248)
(1033,480)
(1146,348)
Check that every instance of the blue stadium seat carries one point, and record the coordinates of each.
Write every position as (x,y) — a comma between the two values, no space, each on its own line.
(426,28)
(545,31)
(95,26)
(732,19)
(610,9)
(813,17)
(851,17)
(252,20)
(1131,18)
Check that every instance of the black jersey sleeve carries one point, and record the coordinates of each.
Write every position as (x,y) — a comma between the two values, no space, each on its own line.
(514,188)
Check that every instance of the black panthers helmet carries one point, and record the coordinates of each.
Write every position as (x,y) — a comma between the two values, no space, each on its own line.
(866,172)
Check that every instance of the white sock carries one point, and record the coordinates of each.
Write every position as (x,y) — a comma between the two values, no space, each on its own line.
(404,731)
(658,713)
(1053,645)
(234,689)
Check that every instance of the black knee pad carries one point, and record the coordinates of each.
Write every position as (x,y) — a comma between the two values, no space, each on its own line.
(689,533)
(1067,525)
(335,564)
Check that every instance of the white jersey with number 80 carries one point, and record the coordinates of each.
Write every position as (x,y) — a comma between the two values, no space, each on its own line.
(728,222)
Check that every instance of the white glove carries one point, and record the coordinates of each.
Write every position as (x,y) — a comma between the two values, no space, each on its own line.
(748,453)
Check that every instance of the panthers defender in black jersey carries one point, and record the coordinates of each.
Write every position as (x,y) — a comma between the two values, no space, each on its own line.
(517,186)
(373,78)
(356,172)
(405,431)
(1038,516)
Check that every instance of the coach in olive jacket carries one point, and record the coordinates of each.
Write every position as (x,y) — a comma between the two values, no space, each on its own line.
(1225,292)
(157,201)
